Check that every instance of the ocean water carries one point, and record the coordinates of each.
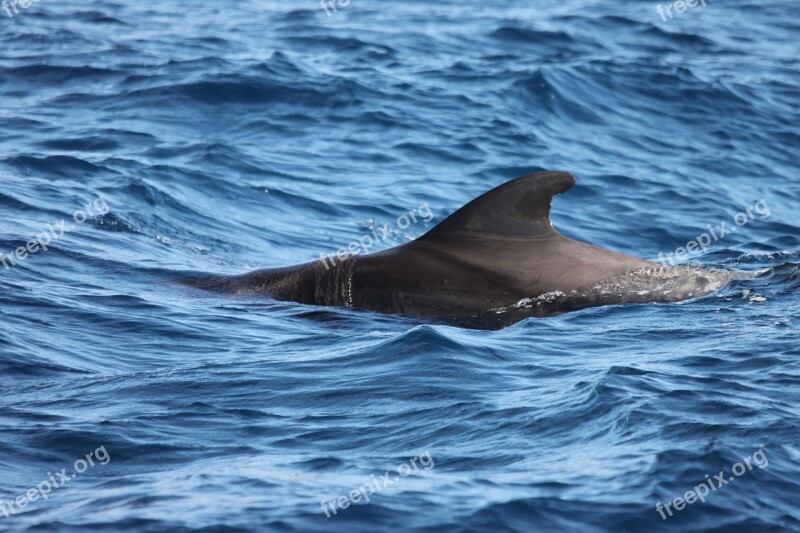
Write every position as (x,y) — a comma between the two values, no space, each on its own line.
(181,137)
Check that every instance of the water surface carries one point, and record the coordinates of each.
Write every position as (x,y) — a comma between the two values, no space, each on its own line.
(226,137)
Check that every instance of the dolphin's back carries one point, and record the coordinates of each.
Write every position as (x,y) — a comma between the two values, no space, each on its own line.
(493,262)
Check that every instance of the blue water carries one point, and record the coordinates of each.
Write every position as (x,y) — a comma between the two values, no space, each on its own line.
(225,137)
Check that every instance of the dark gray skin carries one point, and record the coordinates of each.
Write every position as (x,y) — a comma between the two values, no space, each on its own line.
(482,267)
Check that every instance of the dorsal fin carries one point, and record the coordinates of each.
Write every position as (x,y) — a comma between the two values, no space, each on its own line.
(517,209)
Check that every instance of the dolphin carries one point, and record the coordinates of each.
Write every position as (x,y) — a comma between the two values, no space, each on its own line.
(494,262)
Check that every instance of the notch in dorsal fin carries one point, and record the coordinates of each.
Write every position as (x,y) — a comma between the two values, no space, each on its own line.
(517,209)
